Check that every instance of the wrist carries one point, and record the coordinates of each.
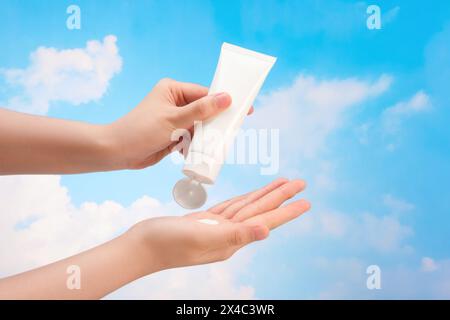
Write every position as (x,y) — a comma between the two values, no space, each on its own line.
(143,250)
(110,150)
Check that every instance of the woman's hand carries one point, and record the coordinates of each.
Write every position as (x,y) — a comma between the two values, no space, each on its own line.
(170,242)
(143,137)
(42,145)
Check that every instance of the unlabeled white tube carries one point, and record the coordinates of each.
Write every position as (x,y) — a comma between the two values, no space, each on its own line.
(240,73)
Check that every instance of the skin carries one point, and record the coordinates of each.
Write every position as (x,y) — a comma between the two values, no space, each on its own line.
(40,145)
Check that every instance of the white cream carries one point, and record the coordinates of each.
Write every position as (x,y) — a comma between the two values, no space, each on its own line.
(240,73)
(208,221)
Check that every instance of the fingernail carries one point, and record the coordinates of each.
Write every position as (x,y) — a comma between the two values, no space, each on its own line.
(223,99)
(307,205)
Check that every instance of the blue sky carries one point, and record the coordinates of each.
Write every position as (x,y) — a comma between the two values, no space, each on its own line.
(376,160)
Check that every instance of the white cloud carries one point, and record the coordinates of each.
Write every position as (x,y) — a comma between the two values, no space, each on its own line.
(346,279)
(344,276)
(396,205)
(309,110)
(334,224)
(75,76)
(388,125)
(216,281)
(393,116)
(39,224)
(428,264)
(417,103)
(362,132)
(324,180)
(384,233)
(429,282)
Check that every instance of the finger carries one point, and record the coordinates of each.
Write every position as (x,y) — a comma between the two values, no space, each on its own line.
(218,209)
(271,200)
(189,92)
(233,208)
(201,109)
(242,234)
(279,216)
(156,157)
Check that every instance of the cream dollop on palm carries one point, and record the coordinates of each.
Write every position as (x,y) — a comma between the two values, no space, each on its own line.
(183,241)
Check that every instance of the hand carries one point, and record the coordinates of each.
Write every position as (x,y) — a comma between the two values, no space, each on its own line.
(143,136)
(42,145)
(170,242)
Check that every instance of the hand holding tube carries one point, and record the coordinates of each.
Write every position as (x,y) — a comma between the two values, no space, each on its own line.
(143,136)
(42,145)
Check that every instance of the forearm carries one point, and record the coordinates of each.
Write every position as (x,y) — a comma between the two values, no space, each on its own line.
(35,144)
(103,269)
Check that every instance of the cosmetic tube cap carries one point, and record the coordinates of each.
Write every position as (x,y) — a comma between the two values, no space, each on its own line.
(189,193)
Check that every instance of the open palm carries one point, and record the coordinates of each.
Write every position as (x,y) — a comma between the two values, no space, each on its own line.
(183,241)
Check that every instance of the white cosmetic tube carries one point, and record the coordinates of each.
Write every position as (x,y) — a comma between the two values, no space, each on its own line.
(240,73)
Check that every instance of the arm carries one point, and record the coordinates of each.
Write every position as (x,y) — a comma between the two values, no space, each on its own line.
(35,144)
(162,243)
(103,269)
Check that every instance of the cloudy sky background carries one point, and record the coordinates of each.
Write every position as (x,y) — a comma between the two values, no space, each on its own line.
(363,117)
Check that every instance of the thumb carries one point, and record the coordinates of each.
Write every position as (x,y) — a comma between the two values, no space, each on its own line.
(202,109)
(244,234)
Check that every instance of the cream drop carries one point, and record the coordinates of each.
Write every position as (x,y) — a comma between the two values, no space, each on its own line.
(208,221)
